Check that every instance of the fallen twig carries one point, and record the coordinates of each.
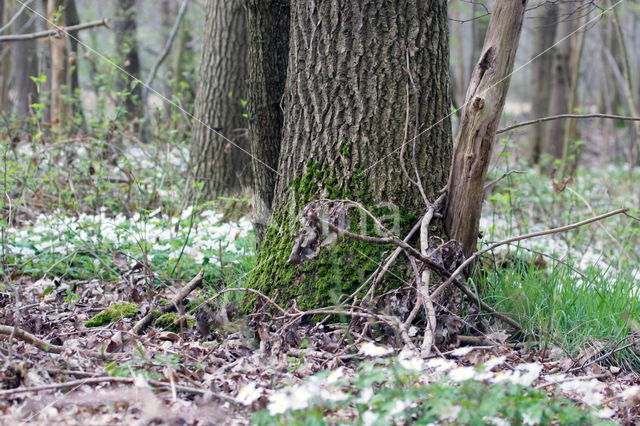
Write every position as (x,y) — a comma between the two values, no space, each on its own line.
(108,379)
(169,307)
(20,334)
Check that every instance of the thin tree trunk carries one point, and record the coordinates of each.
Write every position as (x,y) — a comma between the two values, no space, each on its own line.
(44,63)
(635,144)
(59,62)
(5,63)
(72,18)
(560,82)
(268,38)
(223,167)
(571,151)
(24,56)
(125,28)
(545,34)
(485,100)
(346,97)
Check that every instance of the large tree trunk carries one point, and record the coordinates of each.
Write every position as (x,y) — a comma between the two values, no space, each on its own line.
(59,62)
(344,121)
(545,35)
(560,82)
(224,168)
(485,100)
(125,28)
(268,38)
(24,57)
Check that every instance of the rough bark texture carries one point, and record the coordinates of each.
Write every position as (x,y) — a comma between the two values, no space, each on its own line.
(560,82)
(268,37)
(545,34)
(59,62)
(24,58)
(125,28)
(222,168)
(345,105)
(485,100)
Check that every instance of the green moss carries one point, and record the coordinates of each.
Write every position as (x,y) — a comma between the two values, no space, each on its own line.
(171,322)
(339,269)
(113,314)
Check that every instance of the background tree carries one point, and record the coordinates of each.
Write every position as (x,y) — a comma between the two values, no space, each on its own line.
(543,39)
(344,120)
(24,58)
(561,80)
(5,65)
(125,28)
(59,64)
(268,38)
(222,167)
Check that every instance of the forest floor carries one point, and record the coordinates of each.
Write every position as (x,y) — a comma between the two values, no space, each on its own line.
(97,244)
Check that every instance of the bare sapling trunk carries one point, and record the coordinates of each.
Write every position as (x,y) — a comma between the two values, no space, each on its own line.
(5,63)
(484,104)
(59,61)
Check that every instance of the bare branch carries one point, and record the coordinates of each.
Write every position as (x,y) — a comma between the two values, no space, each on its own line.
(167,49)
(54,32)
(561,116)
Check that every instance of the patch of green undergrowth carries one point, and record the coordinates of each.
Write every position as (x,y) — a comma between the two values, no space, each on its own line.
(383,392)
(568,310)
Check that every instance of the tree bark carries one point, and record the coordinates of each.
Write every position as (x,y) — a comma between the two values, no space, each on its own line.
(346,101)
(59,62)
(125,28)
(268,38)
(485,100)
(560,82)
(544,38)
(72,18)
(5,64)
(24,56)
(223,168)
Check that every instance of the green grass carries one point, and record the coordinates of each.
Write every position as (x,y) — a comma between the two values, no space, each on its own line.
(563,310)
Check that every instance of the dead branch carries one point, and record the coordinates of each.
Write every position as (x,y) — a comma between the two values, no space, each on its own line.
(37,342)
(58,32)
(5,394)
(171,306)
(606,355)
(30,339)
(562,116)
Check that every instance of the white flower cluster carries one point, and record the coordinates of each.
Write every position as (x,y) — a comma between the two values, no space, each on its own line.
(300,396)
(62,235)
